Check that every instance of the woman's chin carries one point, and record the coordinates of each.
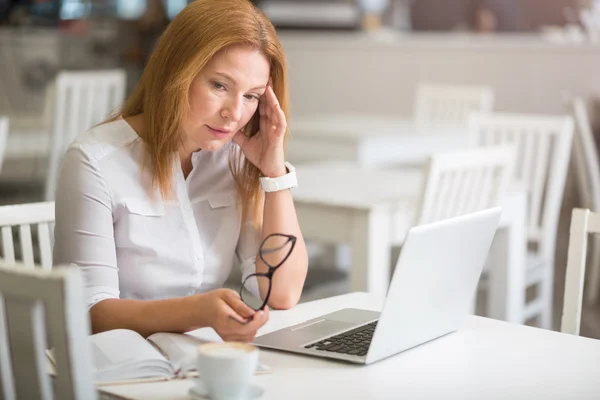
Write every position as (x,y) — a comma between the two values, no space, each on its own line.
(214,145)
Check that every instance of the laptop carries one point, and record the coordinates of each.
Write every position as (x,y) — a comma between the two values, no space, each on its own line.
(431,293)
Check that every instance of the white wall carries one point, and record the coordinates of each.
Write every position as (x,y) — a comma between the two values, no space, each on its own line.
(358,72)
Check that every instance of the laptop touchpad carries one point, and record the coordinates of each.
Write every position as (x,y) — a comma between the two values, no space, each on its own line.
(325,328)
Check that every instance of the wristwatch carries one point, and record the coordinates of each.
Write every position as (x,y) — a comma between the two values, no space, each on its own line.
(286,181)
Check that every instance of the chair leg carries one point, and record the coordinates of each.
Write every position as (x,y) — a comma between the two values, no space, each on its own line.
(473,306)
(593,281)
(546,287)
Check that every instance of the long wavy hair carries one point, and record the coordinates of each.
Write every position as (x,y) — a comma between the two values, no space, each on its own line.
(198,32)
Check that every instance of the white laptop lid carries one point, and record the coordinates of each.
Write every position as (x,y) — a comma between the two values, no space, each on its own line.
(434,283)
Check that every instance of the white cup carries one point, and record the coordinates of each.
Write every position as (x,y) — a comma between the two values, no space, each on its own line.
(226,369)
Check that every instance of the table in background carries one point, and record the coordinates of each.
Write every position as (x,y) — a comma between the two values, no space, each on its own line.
(372,209)
(368,139)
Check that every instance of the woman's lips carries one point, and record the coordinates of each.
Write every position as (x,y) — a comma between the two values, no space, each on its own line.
(220,133)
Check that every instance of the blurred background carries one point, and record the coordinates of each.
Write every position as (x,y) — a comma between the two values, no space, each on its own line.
(346,57)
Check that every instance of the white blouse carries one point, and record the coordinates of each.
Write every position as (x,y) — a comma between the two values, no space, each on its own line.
(128,241)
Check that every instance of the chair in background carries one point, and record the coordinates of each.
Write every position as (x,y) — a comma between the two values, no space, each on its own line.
(21,217)
(543,148)
(587,172)
(3,138)
(83,99)
(449,106)
(583,222)
(36,305)
(465,181)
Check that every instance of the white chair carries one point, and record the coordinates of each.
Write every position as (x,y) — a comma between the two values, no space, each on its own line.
(583,222)
(83,99)
(3,138)
(36,305)
(587,172)
(444,105)
(465,181)
(455,183)
(543,149)
(24,216)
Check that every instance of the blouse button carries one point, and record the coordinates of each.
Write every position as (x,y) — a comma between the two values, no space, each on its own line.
(198,257)
(186,207)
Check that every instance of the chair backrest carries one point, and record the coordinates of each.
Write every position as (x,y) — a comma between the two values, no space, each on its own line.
(585,157)
(587,172)
(583,222)
(443,105)
(36,305)
(3,138)
(543,148)
(16,222)
(82,99)
(465,181)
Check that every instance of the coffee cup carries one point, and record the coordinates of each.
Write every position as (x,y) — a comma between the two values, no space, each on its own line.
(226,369)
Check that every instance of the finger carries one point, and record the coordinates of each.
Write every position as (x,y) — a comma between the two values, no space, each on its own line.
(272,102)
(236,337)
(265,97)
(259,319)
(236,319)
(264,122)
(247,329)
(238,306)
(268,109)
(262,104)
(279,116)
(241,339)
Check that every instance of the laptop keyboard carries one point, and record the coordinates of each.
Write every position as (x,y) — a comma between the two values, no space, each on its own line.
(355,342)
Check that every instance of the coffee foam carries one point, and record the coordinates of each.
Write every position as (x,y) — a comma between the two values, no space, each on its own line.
(226,349)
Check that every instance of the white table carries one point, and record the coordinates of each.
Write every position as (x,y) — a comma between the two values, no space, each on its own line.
(368,139)
(485,359)
(27,144)
(26,156)
(372,209)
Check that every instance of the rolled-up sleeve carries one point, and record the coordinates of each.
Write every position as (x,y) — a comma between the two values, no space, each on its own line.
(84,233)
(246,251)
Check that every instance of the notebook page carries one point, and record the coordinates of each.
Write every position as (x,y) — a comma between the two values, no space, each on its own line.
(120,346)
(125,353)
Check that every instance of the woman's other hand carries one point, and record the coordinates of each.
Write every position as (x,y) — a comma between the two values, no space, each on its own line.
(266,149)
(230,317)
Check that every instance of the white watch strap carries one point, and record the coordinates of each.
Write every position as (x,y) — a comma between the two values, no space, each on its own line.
(284,182)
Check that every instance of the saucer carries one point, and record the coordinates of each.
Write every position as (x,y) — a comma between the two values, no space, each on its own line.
(199,391)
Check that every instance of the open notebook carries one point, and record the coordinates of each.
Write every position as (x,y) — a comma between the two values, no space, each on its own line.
(122,355)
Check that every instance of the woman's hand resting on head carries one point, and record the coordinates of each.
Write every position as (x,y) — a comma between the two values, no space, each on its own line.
(230,317)
(265,149)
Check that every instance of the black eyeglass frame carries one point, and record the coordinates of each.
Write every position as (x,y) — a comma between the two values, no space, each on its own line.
(272,268)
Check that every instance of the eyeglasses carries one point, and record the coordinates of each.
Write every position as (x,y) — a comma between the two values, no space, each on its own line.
(274,251)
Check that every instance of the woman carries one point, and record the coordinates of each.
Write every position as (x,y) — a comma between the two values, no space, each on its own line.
(150,204)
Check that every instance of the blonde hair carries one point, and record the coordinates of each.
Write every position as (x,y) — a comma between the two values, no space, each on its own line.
(193,37)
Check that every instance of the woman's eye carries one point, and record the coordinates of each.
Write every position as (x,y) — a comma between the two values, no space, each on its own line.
(251,97)
(218,86)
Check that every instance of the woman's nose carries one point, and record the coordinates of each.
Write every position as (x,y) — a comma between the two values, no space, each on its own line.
(232,110)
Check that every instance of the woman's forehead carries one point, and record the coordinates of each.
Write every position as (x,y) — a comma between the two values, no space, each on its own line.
(244,64)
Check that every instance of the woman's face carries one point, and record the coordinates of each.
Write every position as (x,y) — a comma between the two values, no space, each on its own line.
(224,96)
